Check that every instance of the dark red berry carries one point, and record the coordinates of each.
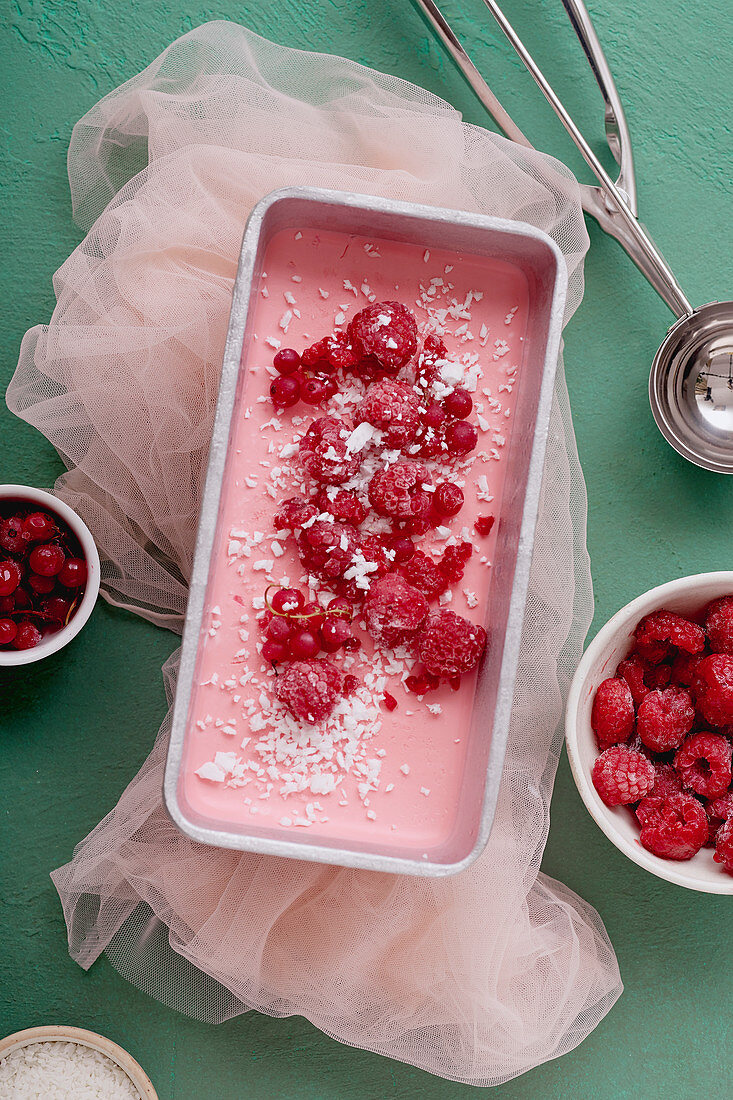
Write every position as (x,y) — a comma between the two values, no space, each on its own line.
(57,608)
(8,630)
(340,607)
(458,404)
(333,634)
(286,361)
(13,537)
(287,600)
(304,644)
(39,526)
(46,560)
(433,416)
(402,547)
(461,437)
(27,637)
(10,575)
(390,702)
(278,629)
(448,499)
(274,651)
(313,391)
(73,573)
(285,392)
(7,604)
(22,599)
(350,685)
(42,586)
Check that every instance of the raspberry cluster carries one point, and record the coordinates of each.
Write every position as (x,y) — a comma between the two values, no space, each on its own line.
(42,576)
(418,413)
(664,725)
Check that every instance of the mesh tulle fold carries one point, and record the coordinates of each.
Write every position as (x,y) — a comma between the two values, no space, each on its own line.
(477,977)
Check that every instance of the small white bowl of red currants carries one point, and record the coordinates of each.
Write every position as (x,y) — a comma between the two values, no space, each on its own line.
(49,574)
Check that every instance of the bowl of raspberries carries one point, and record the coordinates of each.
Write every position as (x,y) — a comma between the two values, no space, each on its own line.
(49,574)
(649,731)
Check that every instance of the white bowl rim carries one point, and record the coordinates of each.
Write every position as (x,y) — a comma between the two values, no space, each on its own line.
(57,641)
(636,609)
(65,1033)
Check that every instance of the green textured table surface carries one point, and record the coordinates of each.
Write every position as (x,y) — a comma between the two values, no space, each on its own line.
(93,710)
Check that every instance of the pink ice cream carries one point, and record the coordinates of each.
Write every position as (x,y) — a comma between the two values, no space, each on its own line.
(382,780)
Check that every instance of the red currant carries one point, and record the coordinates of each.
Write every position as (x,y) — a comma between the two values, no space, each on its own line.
(278,629)
(461,437)
(273,651)
(10,575)
(311,617)
(313,391)
(8,630)
(448,499)
(39,526)
(341,607)
(304,644)
(334,633)
(433,416)
(350,685)
(57,608)
(73,573)
(13,538)
(27,637)
(459,404)
(285,392)
(286,361)
(41,585)
(7,604)
(287,600)
(402,547)
(22,599)
(46,560)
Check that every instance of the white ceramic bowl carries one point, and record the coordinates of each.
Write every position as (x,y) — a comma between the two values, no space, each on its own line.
(53,642)
(612,643)
(62,1033)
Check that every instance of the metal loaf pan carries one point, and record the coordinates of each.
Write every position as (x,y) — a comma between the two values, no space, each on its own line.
(541,261)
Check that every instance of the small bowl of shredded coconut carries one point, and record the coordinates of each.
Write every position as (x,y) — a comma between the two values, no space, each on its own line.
(69,1063)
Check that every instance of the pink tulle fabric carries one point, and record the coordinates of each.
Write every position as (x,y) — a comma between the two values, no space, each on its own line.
(478,977)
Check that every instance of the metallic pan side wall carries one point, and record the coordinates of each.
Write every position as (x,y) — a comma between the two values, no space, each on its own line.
(540,259)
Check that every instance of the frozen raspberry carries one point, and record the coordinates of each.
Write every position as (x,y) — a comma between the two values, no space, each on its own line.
(369,562)
(658,676)
(449,645)
(622,776)
(422,572)
(719,625)
(664,717)
(386,331)
(327,549)
(724,846)
(684,667)
(667,781)
(432,356)
(713,689)
(394,408)
(483,525)
(309,689)
(612,715)
(666,628)
(719,810)
(13,537)
(703,762)
(293,513)
(632,671)
(454,561)
(394,611)
(673,826)
(398,491)
(331,354)
(342,504)
(324,454)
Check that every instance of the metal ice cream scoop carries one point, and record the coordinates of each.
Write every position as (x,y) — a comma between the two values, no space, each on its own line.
(691,380)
